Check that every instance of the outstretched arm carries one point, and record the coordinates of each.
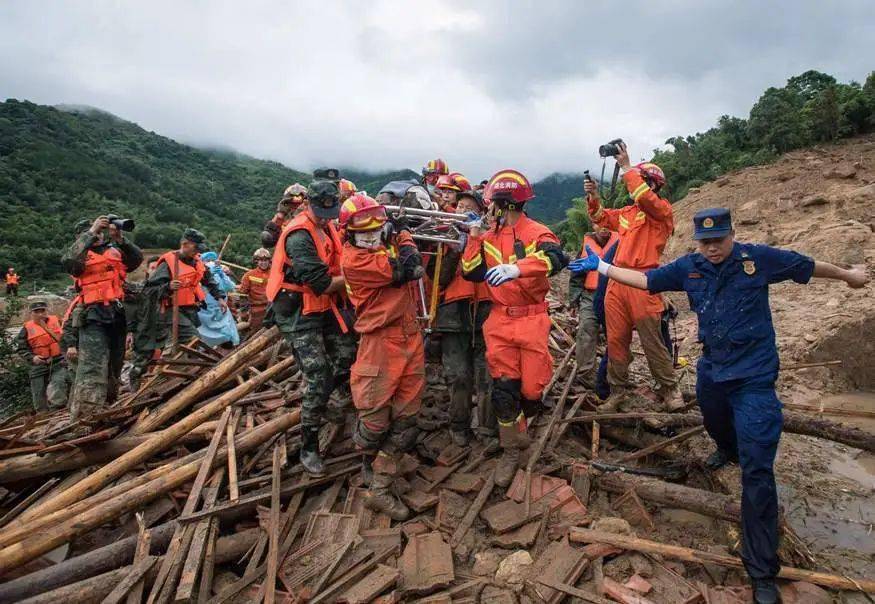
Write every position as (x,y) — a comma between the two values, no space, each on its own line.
(855,277)
(592,262)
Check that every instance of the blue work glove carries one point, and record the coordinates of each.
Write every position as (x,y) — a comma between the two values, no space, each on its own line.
(584,265)
(502,274)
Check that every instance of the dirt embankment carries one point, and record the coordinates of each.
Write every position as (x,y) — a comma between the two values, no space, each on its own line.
(820,202)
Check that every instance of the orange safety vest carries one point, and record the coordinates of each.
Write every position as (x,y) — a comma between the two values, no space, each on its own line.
(11,279)
(591,280)
(44,340)
(328,247)
(103,277)
(190,292)
(460,289)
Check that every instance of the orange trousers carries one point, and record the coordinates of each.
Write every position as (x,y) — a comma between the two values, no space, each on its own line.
(388,377)
(628,308)
(516,348)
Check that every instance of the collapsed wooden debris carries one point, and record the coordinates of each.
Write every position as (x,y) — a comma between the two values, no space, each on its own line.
(189,490)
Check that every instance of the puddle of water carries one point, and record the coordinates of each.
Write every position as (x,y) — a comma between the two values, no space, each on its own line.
(853,401)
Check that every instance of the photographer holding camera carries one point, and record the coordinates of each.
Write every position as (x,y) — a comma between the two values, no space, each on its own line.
(99,261)
(644,228)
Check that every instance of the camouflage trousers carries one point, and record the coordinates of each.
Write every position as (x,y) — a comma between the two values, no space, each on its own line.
(101,355)
(145,344)
(587,338)
(49,385)
(463,357)
(324,357)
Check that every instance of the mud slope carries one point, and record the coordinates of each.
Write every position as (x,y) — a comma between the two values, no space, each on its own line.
(819,201)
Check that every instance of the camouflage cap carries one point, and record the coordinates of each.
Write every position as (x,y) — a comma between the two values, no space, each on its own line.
(196,237)
(326,174)
(82,226)
(324,198)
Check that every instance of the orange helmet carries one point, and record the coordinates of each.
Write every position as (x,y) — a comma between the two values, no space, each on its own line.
(653,174)
(362,213)
(347,188)
(435,166)
(509,187)
(454,182)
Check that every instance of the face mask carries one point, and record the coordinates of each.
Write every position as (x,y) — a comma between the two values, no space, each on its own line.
(368,239)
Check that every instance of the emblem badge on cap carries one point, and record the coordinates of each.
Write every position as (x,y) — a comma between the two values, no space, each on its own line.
(708,223)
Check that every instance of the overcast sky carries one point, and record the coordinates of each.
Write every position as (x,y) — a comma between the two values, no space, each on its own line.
(387,84)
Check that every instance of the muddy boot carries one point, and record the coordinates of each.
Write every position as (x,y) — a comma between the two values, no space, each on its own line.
(765,591)
(381,499)
(511,441)
(613,402)
(720,458)
(670,397)
(310,458)
(461,438)
(367,470)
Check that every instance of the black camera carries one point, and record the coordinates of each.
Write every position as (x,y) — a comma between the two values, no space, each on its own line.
(122,224)
(612,149)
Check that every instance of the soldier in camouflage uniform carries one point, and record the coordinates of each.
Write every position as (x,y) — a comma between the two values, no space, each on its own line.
(98,261)
(39,344)
(460,317)
(308,297)
(155,315)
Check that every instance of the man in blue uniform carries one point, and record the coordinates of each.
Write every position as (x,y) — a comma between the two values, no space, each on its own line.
(728,287)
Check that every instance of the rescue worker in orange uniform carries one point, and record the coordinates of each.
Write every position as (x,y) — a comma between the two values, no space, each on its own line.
(308,294)
(515,257)
(582,289)
(347,189)
(644,228)
(434,169)
(99,261)
(388,377)
(459,321)
(293,201)
(182,274)
(254,285)
(39,344)
(12,281)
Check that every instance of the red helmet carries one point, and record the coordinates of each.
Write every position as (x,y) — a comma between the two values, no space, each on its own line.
(347,188)
(454,182)
(508,186)
(362,213)
(653,174)
(435,166)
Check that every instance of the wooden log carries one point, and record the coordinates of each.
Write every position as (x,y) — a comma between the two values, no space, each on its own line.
(38,544)
(581,535)
(191,393)
(715,505)
(687,434)
(95,588)
(118,467)
(144,545)
(135,574)
(473,511)
(273,528)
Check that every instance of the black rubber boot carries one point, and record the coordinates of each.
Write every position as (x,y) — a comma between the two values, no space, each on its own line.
(720,458)
(765,591)
(310,458)
(367,470)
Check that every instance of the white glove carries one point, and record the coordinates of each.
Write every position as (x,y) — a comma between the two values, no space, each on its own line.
(502,274)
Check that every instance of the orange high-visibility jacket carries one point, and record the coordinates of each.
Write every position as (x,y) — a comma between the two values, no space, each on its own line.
(254,285)
(379,302)
(497,247)
(190,292)
(591,279)
(328,247)
(461,289)
(11,278)
(644,227)
(44,340)
(103,277)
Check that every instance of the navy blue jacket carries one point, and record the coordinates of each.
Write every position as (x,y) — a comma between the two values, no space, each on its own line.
(731,300)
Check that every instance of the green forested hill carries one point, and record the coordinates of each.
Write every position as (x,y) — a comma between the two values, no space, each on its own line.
(59,166)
